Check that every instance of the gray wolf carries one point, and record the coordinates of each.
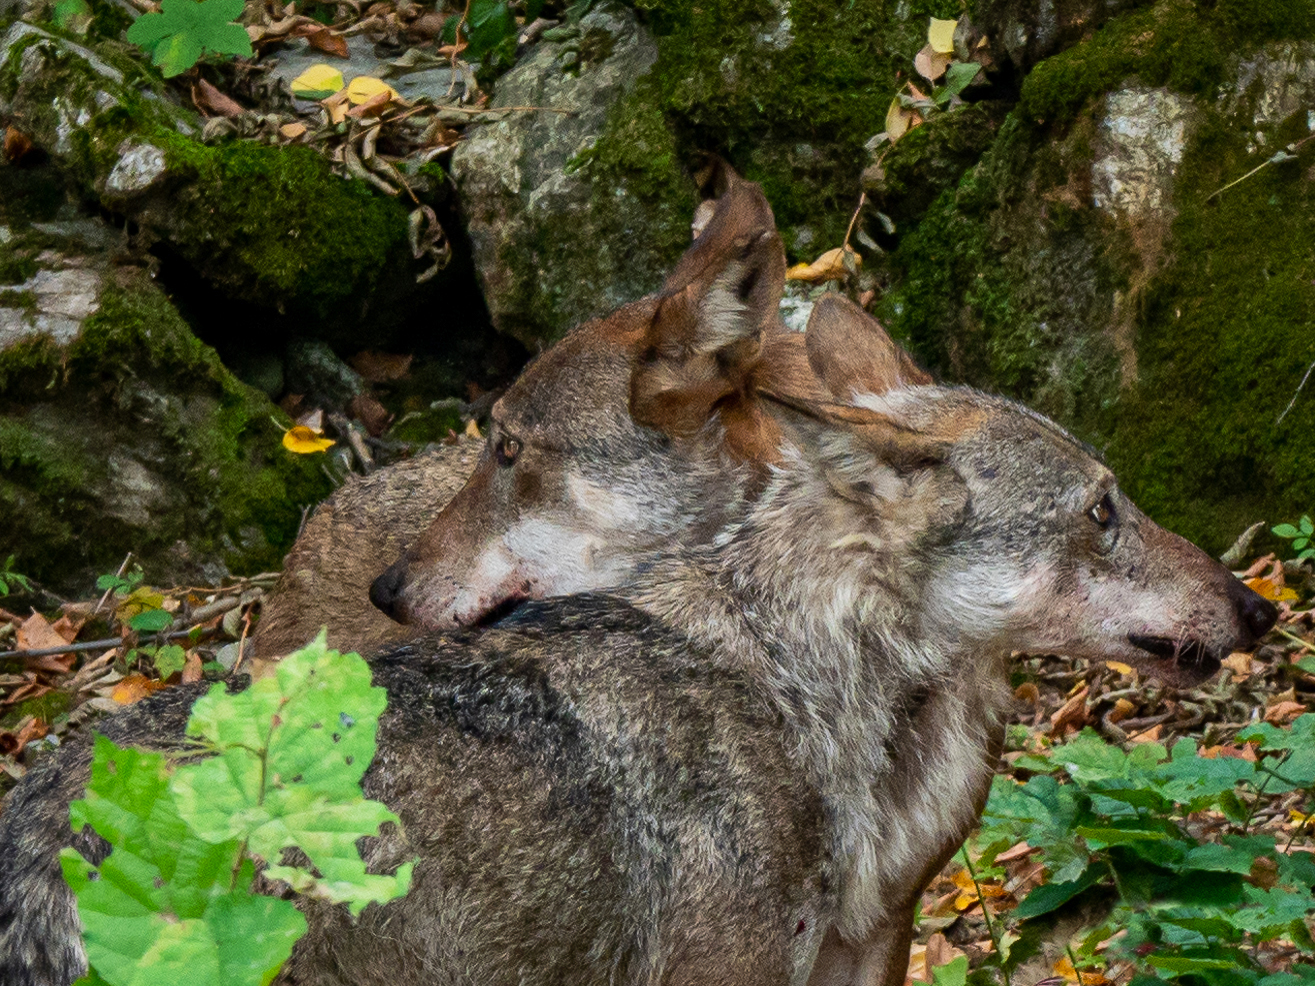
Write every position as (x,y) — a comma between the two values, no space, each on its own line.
(599,481)
(738,769)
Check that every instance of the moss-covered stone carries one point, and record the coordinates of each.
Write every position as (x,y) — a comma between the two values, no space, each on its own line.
(1084,266)
(788,93)
(133,437)
(273,226)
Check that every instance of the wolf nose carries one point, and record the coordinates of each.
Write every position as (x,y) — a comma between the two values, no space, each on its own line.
(1256,612)
(387,588)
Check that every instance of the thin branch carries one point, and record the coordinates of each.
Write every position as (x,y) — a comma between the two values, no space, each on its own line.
(90,645)
(1295,395)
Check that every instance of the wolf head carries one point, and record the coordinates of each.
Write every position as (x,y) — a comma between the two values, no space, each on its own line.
(636,431)
(1015,535)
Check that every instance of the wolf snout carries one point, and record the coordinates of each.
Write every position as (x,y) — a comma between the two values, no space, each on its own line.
(1255,613)
(386,590)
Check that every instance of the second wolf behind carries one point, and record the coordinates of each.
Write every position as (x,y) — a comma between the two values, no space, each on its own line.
(737,771)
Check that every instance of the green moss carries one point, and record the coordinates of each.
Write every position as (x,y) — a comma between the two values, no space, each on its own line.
(278,225)
(193,454)
(1173,348)
(1228,332)
(23,300)
(1176,43)
(789,102)
(931,158)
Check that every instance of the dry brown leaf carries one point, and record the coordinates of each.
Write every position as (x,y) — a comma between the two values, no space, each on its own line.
(1028,692)
(17,144)
(134,688)
(192,669)
(1072,716)
(940,952)
(36,633)
(67,627)
(13,740)
(1151,735)
(1246,751)
(377,367)
(373,106)
(336,106)
(1239,663)
(1017,851)
(828,267)
(1122,709)
(292,130)
(323,39)
(931,64)
(210,101)
(370,413)
(1282,713)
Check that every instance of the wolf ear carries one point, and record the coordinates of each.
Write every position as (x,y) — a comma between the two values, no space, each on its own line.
(896,443)
(851,353)
(706,336)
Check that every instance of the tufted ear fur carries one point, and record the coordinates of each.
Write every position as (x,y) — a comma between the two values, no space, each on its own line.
(713,313)
(851,353)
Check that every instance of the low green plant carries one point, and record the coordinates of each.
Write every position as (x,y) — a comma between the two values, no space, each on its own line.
(184,30)
(9,579)
(1302,536)
(274,767)
(1168,838)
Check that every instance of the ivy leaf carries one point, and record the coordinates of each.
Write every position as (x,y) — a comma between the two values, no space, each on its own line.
(184,30)
(292,751)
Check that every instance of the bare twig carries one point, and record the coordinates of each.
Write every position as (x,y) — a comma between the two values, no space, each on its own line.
(90,645)
(1295,395)
(109,592)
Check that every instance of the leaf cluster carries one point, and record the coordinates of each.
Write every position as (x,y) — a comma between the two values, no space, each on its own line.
(1125,824)
(275,767)
(184,30)
(1302,536)
(9,579)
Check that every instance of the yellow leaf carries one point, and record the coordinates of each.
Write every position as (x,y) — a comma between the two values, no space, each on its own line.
(897,119)
(828,267)
(317,82)
(940,35)
(366,87)
(292,130)
(472,430)
(134,688)
(302,440)
(1271,587)
(1119,666)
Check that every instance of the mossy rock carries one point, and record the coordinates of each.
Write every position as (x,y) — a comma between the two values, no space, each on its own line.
(565,225)
(1086,267)
(124,433)
(273,226)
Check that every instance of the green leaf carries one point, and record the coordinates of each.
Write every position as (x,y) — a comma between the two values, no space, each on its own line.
(293,749)
(1306,526)
(953,973)
(1186,963)
(169,659)
(1047,898)
(184,30)
(151,621)
(958,75)
(1285,531)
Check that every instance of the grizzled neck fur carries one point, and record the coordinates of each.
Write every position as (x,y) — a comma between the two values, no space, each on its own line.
(894,709)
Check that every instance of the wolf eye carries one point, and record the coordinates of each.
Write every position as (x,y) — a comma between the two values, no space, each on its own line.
(506,450)
(1103,512)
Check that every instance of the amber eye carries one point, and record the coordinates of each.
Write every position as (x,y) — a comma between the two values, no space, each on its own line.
(1103,512)
(506,450)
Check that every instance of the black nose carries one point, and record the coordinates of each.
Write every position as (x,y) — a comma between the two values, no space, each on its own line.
(386,589)
(1256,612)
